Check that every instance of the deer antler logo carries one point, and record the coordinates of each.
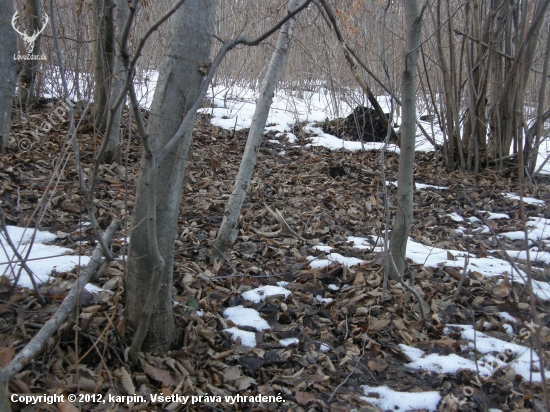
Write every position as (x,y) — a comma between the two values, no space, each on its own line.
(29,40)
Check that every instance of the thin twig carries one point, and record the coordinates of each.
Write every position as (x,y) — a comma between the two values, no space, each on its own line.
(29,352)
(22,261)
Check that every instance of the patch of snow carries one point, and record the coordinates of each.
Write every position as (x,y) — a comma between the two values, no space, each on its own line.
(456,217)
(259,294)
(541,289)
(528,200)
(492,215)
(525,357)
(242,316)
(535,255)
(388,399)
(289,341)
(95,289)
(359,242)
(290,136)
(42,259)
(247,338)
(421,186)
(538,228)
(331,142)
(440,364)
(506,316)
(332,257)
(323,300)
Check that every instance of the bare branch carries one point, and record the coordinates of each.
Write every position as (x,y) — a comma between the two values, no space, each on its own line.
(29,352)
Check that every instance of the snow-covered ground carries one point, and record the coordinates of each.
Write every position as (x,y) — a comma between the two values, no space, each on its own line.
(43,257)
(234,108)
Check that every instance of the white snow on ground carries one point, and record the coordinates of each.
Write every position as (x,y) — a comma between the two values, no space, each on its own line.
(289,341)
(332,257)
(43,257)
(491,215)
(528,200)
(359,242)
(421,186)
(334,143)
(537,229)
(321,299)
(431,256)
(242,316)
(518,357)
(440,364)
(259,294)
(247,338)
(389,400)
(456,217)
(323,248)
(507,316)
(535,255)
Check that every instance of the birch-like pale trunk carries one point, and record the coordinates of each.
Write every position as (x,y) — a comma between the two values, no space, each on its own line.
(180,78)
(228,229)
(8,72)
(404,214)
(117,83)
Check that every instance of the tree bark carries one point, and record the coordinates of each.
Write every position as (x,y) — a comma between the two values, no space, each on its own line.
(228,229)
(112,153)
(104,50)
(180,78)
(533,140)
(8,72)
(26,92)
(403,218)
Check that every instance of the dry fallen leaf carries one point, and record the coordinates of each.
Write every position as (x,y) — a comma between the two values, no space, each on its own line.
(303,398)
(377,365)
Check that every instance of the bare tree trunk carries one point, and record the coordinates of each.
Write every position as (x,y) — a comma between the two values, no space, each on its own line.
(180,78)
(8,71)
(104,50)
(403,218)
(117,83)
(26,92)
(228,229)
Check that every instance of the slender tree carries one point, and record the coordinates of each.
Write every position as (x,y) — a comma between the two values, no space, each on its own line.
(404,214)
(104,59)
(117,83)
(228,229)
(8,71)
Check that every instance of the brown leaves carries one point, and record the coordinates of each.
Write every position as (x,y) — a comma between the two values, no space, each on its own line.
(325,196)
(377,365)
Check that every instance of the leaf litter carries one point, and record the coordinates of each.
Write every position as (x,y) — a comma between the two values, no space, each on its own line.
(321,337)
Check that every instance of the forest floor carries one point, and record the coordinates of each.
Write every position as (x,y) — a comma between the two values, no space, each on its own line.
(331,334)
